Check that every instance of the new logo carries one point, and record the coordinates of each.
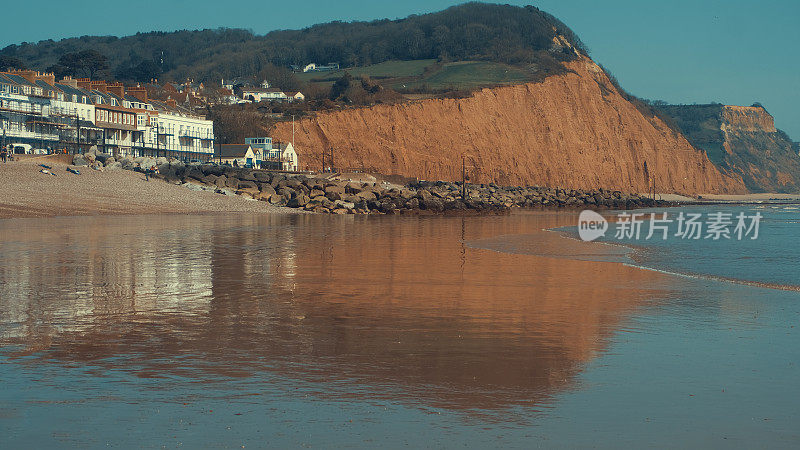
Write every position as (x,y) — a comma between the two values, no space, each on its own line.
(591,225)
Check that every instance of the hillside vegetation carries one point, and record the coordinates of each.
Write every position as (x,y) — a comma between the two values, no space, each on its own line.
(505,34)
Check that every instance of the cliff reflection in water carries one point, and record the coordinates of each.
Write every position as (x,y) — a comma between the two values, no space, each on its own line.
(385,307)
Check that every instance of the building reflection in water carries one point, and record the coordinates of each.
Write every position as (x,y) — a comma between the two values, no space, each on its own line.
(385,307)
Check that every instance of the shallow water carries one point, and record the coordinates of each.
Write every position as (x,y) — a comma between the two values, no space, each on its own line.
(364,331)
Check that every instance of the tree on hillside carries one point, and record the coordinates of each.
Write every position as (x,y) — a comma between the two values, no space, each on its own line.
(86,63)
(471,31)
(142,72)
(340,86)
(10,62)
(235,122)
(279,77)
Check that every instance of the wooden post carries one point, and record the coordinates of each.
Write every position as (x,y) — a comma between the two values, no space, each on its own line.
(463,178)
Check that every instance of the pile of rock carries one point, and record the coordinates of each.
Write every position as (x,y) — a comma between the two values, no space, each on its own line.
(337,196)
(96,160)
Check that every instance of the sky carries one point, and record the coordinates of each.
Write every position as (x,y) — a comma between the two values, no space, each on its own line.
(681,51)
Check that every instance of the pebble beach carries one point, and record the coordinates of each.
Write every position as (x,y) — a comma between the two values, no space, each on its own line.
(27,192)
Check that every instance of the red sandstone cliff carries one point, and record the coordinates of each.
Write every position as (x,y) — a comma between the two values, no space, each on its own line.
(573,131)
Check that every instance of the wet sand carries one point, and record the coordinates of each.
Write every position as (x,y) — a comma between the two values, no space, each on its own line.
(730,198)
(343,331)
(26,192)
(403,301)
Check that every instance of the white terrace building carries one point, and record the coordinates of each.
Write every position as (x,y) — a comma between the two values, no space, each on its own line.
(83,114)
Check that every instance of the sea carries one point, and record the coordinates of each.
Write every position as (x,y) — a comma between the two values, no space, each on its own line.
(321,331)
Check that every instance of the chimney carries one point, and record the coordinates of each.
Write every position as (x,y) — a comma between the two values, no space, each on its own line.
(138,92)
(117,89)
(85,84)
(48,78)
(99,85)
(69,81)
(29,75)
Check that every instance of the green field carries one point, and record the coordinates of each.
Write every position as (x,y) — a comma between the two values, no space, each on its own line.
(427,73)
(471,74)
(388,69)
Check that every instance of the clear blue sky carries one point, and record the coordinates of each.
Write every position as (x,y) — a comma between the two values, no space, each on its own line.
(681,51)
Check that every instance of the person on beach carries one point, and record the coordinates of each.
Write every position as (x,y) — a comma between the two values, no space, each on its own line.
(3,154)
(147,174)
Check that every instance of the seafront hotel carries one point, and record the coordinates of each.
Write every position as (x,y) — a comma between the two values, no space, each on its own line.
(41,115)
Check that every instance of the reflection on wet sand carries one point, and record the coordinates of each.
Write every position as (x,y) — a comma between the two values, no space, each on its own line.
(386,307)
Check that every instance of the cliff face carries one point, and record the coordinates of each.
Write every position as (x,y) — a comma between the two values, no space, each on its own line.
(746,118)
(573,130)
(742,141)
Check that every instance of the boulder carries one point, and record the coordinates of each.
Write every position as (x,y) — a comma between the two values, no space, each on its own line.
(161,160)
(298,201)
(432,204)
(232,182)
(110,160)
(316,193)
(147,162)
(424,195)
(225,191)
(266,188)
(248,175)
(193,173)
(345,205)
(192,186)
(293,183)
(221,181)
(277,199)
(172,179)
(127,164)
(231,172)
(367,195)
(354,187)
(352,198)
(277,179)
(247,184)
(209,179)
(251,192)
(209,169)
(262,177)
(334,188)
(319,200)
(334,193)
(407,194)
(263,196)
(79,160)
(115,165)
(387,206)
(102,157)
